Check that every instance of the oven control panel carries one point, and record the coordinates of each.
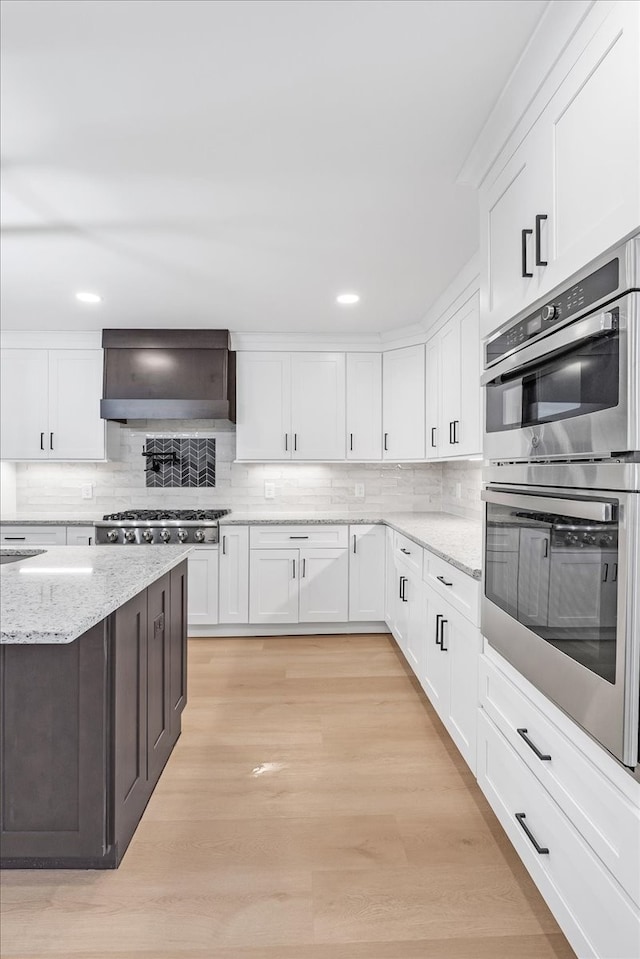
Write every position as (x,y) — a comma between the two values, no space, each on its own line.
(576,299)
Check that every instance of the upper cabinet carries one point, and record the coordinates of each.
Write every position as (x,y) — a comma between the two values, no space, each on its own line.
(453,401)
(364,406)
(572,188)
(403,403)
(290,406)
(51,405)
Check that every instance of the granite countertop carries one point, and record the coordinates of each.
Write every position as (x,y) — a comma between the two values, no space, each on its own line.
(60,593)
(453,538)
(51,519)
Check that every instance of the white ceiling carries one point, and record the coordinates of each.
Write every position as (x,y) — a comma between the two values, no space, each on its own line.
(237,164)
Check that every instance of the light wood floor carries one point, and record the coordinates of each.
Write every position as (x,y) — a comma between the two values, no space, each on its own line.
(314,808)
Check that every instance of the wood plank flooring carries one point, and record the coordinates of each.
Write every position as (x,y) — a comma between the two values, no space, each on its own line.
(314,808)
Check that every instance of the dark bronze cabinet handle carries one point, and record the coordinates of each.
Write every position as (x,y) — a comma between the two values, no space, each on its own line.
(298,537)
(523,733)
(606,573)
(404,586)
(304,568)
(541,850)
(294,568)
(295,442)
(442,580)
(525,272)
(14,537)
(445,649)
(540,218)
(224,545)
(286,442)
(456,424)
(50,441)
(351,442)
(433,436)
(407,552)
(386,437)
(438,618)
(42,441)
(451,433)
(354,543)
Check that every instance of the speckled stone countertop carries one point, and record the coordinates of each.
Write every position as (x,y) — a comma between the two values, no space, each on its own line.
(59,594)
(454,538)
(49,519)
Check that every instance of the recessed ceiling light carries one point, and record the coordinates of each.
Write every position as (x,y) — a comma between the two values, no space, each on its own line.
(86,297)
(347,299)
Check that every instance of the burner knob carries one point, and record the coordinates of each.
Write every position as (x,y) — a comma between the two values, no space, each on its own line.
(199,536)
(572,539)
(112,535)
(165,535)
(589,539)
(147,535)
(549,312)
(183,535)
(130,536)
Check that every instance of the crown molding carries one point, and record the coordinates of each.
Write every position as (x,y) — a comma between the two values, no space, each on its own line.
(312,342)
(51,340)
(531,84)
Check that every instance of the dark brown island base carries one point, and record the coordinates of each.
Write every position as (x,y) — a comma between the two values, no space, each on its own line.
(87,728)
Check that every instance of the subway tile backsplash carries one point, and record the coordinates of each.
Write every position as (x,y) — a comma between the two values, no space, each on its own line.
(56,487)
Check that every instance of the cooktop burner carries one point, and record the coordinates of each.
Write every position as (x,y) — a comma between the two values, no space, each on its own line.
(147,515)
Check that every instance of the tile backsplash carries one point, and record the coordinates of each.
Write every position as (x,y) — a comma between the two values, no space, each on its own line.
(179,461)
(55,488)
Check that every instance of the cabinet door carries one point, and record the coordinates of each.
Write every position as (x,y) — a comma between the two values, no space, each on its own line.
(450,387)
(367,574)
(324,585)
(469,432)
(273,585)
(433,373)
(263,415)
(158,678)
(461,642)
(415,597)
(580,588)
(203,586)
(391,598)
(364,406)
(596,182)
(178,647)
(533,577)
(507,207)
(81,535)
(436,678)
(76,431)
(130,785)
(25,401)
(318,406)
(233,599)
(403,403)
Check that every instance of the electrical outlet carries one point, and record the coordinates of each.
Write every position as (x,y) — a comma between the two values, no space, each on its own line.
(269,490)
(359,490)
(86,491)
(458,490)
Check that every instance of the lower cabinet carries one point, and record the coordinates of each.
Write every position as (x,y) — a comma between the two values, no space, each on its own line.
(289,586)
(203,586)
(367,546)
(233,582)
(92,725)
(450,677)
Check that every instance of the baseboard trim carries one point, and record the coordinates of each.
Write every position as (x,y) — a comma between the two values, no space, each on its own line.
(299,629)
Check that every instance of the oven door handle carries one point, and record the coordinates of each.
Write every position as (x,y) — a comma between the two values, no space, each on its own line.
(587,509)
(602,324)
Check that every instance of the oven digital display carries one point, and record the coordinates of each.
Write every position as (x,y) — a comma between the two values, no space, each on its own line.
(534,325)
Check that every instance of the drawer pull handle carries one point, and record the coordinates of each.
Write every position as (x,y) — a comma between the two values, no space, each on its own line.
(14,537)
(523,733)
(442,580)
(294,569)
(541,850)
(298,537)
(407,552)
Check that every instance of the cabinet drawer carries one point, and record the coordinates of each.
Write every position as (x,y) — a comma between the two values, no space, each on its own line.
(33,535)
(608,820)
(408,552)
(462,591)
(288,537)
(593,912)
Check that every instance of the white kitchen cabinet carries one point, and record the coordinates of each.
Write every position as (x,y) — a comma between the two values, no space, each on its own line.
(413,618)
(318,406)
(203,586)
(403,403)
(273,592)
(558,201)
(19,536)
(364,406)
(453,395)
(233,594)
(263,399)
(367,573)
(324,585)
(51,405)
(290,406)
(81,535)
(450,671)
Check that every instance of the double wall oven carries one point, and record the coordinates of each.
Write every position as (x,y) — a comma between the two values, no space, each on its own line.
(562,499)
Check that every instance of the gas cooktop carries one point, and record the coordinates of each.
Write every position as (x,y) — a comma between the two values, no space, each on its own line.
(149,526)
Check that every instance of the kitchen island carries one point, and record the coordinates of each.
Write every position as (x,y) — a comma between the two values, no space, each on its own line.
(93,684)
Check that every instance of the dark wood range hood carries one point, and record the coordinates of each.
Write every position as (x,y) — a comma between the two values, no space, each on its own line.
(168,374)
